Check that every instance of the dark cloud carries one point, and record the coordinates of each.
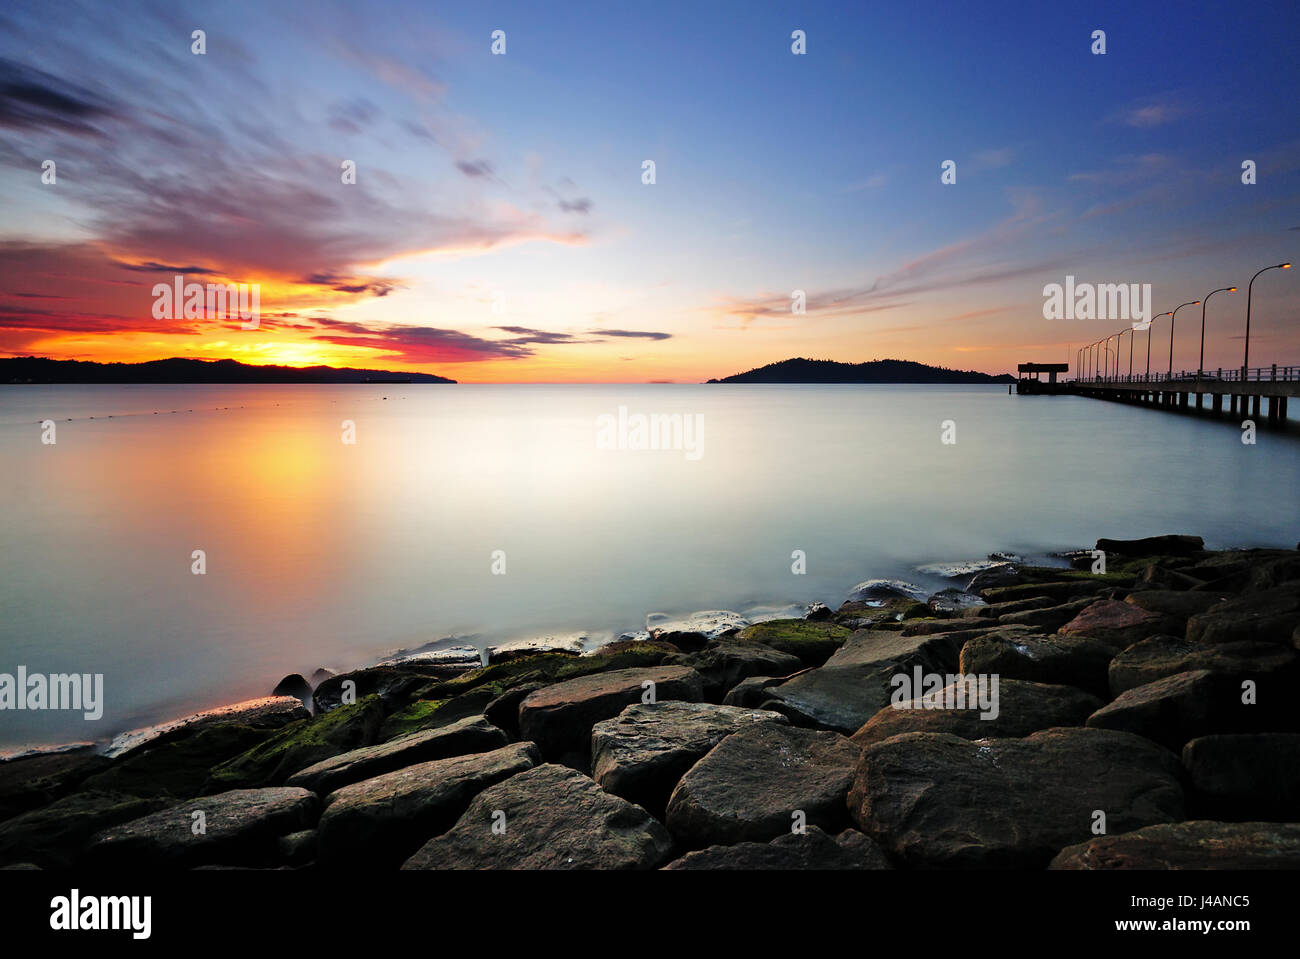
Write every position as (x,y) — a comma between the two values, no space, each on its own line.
(151,267)
(421,344)
(580,205)
(351,284)
(635,334)
(475,168)
(35,100)
(353,116)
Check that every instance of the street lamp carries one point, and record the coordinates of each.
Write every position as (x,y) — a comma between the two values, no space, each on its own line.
(1173,317)
(1245,361)
(1200,365)
(1151,323)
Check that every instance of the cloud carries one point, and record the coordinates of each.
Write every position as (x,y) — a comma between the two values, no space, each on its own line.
(580,205)
(635,334)
(1156,111)
(475,168)
(31,99)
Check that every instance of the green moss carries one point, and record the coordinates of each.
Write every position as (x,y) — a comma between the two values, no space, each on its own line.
(813,642)
(411,719)
(180,768)
(300,744)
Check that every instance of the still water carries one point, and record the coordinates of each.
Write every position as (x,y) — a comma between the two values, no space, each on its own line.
(320,552)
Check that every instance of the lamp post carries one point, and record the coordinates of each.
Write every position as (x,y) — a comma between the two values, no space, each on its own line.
(1245,361)
(1173,317)
(1151,323)
(1200,364)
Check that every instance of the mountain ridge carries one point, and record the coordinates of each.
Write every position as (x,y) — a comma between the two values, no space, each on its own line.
(802,370)
(37,369)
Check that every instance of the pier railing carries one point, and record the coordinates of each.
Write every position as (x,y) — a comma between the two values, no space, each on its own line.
(1258,374)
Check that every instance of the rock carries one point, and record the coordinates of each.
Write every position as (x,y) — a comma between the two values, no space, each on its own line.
(934,800)
(554,818)
(1190,845)
(994,610)
(818,612)
(241,828)
(693,631)
(320,676)
(1170,545)
(1062,591)
(382,821)
(1003,574)
(296,686)
(437,659)
(473,734)
(643,753)
(503,711)
(1047,619)
(960,570)
(269,712)
(1055,660)
(855,683)
(36,780)
(1181,707)
(1159,576)
(949,601)
(813,642)
(1272,667)
(724,662)
(1117,624)
(571,644)
(751,784)
(1245,777)
(299,745)
(751,693)
(1022,708)
(886,589)
(178,768)
(1269,616)
(297,848)
(391,683)
(813,850)
(1178,605)
(437,713)
(559,718)
(53,836)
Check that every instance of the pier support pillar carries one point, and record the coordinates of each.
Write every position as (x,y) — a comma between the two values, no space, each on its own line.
(1255,407)
(1217,403)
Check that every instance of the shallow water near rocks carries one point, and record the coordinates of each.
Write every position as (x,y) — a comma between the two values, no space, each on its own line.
(325,554)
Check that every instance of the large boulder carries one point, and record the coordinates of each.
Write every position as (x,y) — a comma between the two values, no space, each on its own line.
(391,682)
(1268,616)
(641,754)
(1117,624)
(53,836)
(381,821)
(1245,777)
(559,718)
(1179,605)
(179,768)
(473,734)
(814,849)
(35,780)
(754,784)
(239,828)
(1197,844)
(1181,707)
(934,800)
(1055,660)
(550,817)
(812,641)
(1272,667)
(268,712)
(1020,708)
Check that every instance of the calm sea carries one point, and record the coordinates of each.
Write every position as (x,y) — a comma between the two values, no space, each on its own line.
(320,552)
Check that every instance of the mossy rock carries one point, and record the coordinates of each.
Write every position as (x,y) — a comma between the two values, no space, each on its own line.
(54,836)
(812,641)
(1118,573)
(299,745)
(411,718)
(179,769)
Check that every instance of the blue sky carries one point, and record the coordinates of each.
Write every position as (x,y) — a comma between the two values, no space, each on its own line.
(514,181)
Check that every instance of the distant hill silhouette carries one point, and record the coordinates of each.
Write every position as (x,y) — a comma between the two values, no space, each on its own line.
(35,369)
(800,370)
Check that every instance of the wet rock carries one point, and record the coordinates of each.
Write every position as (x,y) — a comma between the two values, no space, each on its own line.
(178,768)
(299,745)
(1190,845)
(818,612)
(53,836)
(934,800)
(724,662)
(954,601)
(1273,667)
(1056,660)
(240,829)
(391,683)
(693,631)
(1022,708)
(30,781)
(383,820)
(812,850)
(553,818)
(1269,616)
(269,712)
(643,753)
(812,642)
(572,644)
(1181,707)
(753,783)
(1003,574)
(294,685)
(1117,624)
(886,589)
(559,718)
(1245,777)
(473,734)
(994,610)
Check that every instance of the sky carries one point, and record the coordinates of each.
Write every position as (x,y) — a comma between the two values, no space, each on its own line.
(499,228)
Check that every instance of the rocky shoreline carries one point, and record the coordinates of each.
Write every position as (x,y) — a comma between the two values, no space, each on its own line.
(1131,711)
